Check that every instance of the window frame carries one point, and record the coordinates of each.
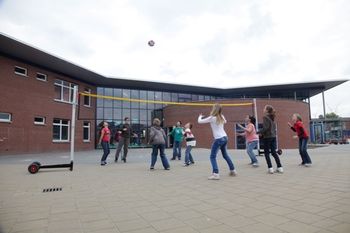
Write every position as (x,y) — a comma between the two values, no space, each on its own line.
(89,131)
(61,126)
(40,123)
(70,88)
(9,120)
(17,73)
(39,79)
(87,91)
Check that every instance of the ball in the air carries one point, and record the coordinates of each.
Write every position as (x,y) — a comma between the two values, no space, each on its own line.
(151,43)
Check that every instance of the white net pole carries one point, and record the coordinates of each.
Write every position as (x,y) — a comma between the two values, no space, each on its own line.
(72,130)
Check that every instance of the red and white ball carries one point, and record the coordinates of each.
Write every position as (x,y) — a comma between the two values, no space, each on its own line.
(151,43)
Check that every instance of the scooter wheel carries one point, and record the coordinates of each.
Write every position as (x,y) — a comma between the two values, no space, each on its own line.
(33,168)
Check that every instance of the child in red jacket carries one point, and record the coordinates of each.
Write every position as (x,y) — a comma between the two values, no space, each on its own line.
(303,136)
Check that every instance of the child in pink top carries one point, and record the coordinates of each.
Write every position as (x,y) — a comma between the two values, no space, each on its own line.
(252,139)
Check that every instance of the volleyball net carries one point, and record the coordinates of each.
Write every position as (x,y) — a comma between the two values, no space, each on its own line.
(205,103)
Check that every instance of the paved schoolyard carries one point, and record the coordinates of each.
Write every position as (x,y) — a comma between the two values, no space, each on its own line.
(130,198)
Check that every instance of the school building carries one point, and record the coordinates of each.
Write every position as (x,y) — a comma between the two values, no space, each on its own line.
(37,93)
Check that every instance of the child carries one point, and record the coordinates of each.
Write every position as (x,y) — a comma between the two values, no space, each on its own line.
(177,134)
(268,133)
(104,141)
(303,136)
(157,139)
(217,121)
(190,142)
(252,138)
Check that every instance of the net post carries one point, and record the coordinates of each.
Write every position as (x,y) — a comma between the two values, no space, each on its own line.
(72,138)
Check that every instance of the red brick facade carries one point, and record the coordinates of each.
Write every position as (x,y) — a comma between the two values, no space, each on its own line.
(25,97)
(203,134)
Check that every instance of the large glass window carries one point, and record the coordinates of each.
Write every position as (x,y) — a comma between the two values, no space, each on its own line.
(64,91)
(135,94)
(143,115)
(174,97)
(108,114)
(150,96)
(158,97)
(117,114)
(99,114)
(135,114)
(60,130)
(143,96)
(126,94)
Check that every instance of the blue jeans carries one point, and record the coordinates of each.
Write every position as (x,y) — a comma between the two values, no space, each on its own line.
(105,146)
(161,148)
(303,151)
(270,147)
(188,155)
(250,150)
(220,143)
(177,149)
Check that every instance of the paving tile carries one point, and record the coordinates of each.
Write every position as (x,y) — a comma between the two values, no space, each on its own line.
(304,217)
(259,228)
(237,221)
(31,225)
(340,228)
(202,223)
(297,227)
(132,225)
(220,229)
(181,230)
(187,215)
(167,224)
(271,219)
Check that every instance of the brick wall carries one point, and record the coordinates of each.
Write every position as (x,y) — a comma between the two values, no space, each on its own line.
(27,97)
(284,108)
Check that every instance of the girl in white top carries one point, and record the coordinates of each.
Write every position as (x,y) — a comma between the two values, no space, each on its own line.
(217,121)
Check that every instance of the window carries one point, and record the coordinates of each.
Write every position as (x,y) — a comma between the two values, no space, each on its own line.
(64,91)
(41,77)
(86,133)
(20,71)
(39,120)
(60,130)
(87,99)
(5,117)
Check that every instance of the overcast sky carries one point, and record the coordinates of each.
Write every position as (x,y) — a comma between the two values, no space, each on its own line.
(217,43)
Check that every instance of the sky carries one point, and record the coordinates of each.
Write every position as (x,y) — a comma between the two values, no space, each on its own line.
(226,43)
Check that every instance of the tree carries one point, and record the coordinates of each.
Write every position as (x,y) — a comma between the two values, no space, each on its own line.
(332,115)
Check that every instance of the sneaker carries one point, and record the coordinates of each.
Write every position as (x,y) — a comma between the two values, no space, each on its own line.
(270,170)
(255,164)
(233,173)
(179,158)
(124,160)
(280,169)
(151,168)
(116,160)
(103,163)
(307,164)
(192,162)
(186,164)
(214,176)
(302,164)
(168,168)
(172,159)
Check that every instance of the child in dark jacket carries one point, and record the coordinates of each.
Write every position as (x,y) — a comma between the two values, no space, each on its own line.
(303,136)
(157,140)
